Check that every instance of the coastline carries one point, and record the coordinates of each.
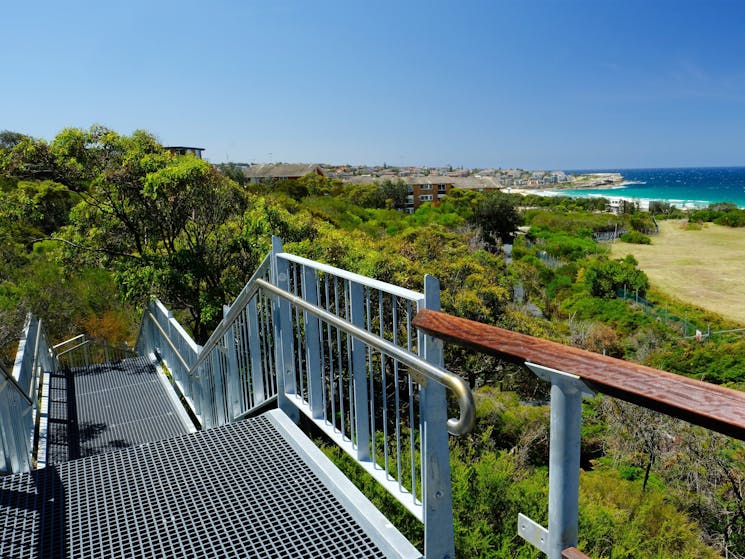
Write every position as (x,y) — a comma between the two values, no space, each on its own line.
(643,202)
(621,189)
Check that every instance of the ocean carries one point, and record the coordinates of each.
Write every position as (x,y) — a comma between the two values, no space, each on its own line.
(683,187)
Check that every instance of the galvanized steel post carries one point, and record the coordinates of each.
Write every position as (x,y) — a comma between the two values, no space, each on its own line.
(283,340)
(563,469)
(439,539)
(359,372)
(312,346)
(232,372)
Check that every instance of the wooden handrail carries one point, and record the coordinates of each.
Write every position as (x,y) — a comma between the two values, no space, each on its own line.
(708,405)
(573,553)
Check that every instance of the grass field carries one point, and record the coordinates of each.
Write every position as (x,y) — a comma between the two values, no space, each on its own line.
(705,268)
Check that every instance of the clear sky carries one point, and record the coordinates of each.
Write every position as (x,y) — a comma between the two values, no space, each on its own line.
(493,83)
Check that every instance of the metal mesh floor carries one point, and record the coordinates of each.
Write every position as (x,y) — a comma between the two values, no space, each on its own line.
(234,491)
(106,407)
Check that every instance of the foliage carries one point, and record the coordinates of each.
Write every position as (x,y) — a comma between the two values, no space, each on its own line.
(637,238)
(575,222)
(91,207)
(718,362)
(497,217)
(604,277)
(722,214)
(618,519)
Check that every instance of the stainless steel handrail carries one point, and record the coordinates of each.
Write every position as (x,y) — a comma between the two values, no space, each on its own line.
(453,382)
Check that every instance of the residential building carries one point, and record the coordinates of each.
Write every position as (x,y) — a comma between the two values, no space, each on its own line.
(264,172)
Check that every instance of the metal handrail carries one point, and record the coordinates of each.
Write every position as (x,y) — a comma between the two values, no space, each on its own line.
(243,297)
(168,340)
(351,276)
(453,382)
(60,354)
(68,341)
(8,376)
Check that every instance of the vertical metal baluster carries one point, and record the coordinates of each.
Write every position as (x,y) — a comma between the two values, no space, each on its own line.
(332,380)
(341,357)
(298,338)
(412,423)
(384,382)
(269,364)
(350,362)
(397,403)
(258,388)
(321,345)
(245,356)
(232,374)
(371,376)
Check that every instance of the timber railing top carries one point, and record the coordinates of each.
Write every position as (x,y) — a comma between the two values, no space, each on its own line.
(708,405)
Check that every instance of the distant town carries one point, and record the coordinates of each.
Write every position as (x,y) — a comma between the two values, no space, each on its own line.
(428,184)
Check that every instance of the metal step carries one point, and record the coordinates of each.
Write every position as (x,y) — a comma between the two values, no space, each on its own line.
(106,407)
(258,488)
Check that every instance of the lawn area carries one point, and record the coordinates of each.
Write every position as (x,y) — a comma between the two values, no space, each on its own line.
(705,268)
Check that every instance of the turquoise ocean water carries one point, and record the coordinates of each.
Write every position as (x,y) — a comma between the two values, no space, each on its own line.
(684,187)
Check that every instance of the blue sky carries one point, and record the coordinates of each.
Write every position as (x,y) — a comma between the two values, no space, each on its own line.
(549,84)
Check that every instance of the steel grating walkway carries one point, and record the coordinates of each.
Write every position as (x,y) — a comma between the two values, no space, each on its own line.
(258,488)
(117,405)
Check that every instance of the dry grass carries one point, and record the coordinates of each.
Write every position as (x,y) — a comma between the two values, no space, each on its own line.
(705,268)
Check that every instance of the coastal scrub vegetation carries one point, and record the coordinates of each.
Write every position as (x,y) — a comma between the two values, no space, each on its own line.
(95,224)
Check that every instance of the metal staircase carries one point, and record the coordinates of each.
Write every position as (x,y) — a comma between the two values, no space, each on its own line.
(126,477)
(103,461)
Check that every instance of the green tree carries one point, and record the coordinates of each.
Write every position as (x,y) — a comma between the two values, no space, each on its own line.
(605,277)
(165,223)
(497,217)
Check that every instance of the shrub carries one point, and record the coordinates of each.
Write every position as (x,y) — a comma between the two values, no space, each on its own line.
(637,238)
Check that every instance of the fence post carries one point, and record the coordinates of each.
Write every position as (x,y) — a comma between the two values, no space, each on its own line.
(279,275)
(439,539)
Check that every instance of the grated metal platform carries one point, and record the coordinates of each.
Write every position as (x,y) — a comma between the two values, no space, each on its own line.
(100,408)
(243,490)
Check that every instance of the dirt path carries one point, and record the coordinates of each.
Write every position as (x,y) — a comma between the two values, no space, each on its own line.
(705,268)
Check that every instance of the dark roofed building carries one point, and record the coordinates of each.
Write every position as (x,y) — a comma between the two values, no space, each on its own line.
(281,171)
(183,150)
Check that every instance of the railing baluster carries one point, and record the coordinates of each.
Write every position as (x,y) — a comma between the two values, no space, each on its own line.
(329,342)
(396,394)
(232,381)
(254,345)
(350,363)
(370,376)
(342,416)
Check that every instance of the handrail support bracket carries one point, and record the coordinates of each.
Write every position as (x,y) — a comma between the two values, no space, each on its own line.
(567,391)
